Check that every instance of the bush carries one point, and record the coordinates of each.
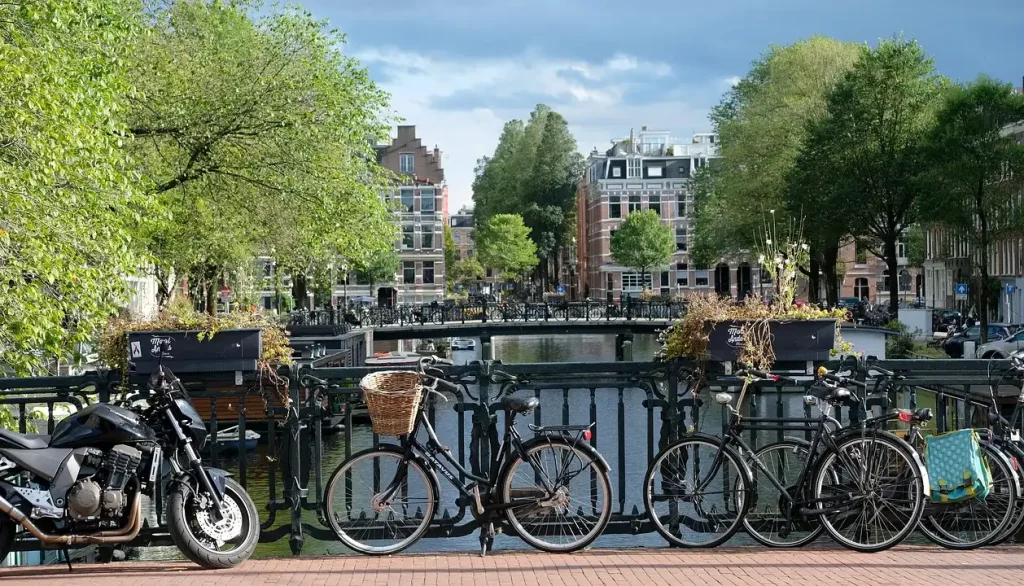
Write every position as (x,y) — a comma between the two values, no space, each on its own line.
(900,345)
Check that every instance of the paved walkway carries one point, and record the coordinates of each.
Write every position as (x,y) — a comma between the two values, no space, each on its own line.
(904,566)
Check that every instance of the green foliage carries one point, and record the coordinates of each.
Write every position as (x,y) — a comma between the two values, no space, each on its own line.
(762,125)
(533,171)
(503,243)
(451,256)
(466,272)
(900,345)
(251,130)
(68,202)
(643,242)
(976,170)
(380,267)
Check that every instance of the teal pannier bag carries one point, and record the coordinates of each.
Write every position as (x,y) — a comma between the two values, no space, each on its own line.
(957,470)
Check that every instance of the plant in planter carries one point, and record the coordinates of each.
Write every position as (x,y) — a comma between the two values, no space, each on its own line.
(758,330)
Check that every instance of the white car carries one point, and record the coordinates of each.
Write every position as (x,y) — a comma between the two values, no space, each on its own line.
(463,344)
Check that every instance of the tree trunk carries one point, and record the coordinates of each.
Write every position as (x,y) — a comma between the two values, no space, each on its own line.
(894,278)
(983,235)
(299,291)
(831,253)
(558,271)
(813,278)
(210,283)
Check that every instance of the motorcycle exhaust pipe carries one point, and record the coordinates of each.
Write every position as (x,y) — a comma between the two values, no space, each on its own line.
(102,538)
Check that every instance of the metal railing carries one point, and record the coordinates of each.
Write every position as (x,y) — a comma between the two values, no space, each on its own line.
(638,408)
(441,313)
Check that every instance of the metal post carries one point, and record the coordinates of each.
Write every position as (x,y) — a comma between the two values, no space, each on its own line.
(295,491)
(486,348)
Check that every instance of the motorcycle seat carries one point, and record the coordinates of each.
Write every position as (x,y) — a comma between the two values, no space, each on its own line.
(26,441)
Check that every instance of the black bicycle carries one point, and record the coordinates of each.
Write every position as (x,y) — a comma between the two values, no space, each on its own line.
(865,486)
(553,489)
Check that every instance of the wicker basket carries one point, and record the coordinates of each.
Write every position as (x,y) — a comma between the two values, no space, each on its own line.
(393,400)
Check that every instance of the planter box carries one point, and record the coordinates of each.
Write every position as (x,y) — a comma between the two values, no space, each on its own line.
(792,340)
(226,351)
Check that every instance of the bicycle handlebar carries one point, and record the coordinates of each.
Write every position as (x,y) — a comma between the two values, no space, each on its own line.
(765,376)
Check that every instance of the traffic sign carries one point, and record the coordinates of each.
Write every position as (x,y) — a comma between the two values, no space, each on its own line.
(961,291)
(560,289)
(1009,289)
(225,292)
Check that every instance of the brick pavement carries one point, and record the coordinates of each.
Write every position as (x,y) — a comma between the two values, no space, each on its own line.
(903,566)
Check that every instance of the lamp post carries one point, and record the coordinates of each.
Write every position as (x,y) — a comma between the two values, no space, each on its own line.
(572,271)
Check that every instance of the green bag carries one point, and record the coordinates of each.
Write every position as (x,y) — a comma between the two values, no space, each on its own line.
(957,470)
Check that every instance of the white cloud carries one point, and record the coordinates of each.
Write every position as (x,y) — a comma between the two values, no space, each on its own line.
(591,95)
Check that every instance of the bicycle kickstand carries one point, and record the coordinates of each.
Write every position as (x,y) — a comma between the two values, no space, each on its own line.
(486,537)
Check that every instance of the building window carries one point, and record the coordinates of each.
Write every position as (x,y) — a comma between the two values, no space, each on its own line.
(681,208)
(406,164)
(654,203)
(682,275)
(632,283)
(614,206)
(901,248)
(407,238)
(490,273)
(616,172)
(632,167)
(861,253)
(469,253)
(700,277)
(681,239)
(634,203)
(427,237)
(458,238)
(409,272)
(427,200)
(905,281)
(860,289)
(654,171)
(407,200)
(883,285)
(428,272)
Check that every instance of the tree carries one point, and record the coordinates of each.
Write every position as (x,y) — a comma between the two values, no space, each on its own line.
(977,171)
(466,272)
(68,201)
(451,256)
(379,267)
(533,171)
(503,243)
(643,243)
(877,119)
(762,124)
(251,127)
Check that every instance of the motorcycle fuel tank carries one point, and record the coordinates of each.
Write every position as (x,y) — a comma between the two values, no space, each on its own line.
(101,425)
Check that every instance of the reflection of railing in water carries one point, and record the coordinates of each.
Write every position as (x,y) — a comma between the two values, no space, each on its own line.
(638,408)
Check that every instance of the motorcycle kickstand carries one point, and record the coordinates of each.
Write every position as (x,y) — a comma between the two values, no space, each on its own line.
(67,558)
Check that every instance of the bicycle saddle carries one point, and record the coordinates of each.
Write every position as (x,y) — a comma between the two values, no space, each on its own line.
(520,405)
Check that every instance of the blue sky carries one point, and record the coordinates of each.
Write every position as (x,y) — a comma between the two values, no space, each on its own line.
(458,69)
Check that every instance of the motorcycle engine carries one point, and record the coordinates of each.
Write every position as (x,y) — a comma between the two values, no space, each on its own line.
(102,495)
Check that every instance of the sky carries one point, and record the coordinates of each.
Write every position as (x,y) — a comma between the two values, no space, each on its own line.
(459,69)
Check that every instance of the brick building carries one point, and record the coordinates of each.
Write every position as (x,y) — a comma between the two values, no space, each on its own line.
(648,171)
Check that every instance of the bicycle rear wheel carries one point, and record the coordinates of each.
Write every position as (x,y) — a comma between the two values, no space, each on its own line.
(972,523)
(369,518)
(695,492)
(1013,452)
(574,512)
(873,491)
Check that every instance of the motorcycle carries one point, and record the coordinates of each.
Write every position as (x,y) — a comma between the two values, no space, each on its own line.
(84,484)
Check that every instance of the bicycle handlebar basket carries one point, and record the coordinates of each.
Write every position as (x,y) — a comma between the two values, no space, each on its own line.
(393,400)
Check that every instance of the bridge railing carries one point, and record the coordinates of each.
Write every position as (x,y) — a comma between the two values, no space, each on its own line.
(442,313)
(638,408)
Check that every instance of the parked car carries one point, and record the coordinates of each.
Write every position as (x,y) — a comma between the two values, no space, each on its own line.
(954,346)
(855,306)
(1002,348)
(463,344)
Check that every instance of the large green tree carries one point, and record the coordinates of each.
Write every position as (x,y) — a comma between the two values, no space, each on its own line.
(643,243)
(379,267)
(878,116)
(977,172)
(68,201)
(533,172)
(762,124)
(504,243)
(251,128)
(466,272)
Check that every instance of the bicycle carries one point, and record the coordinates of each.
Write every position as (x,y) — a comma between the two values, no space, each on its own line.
(394,522)
(835,486)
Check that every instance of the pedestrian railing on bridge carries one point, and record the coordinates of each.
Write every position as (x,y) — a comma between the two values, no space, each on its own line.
(638,407)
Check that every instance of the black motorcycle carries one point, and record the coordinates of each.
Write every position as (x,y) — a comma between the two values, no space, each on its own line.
(84,484)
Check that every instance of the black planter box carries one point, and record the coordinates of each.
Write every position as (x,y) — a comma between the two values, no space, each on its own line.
(225,351)
(799,340)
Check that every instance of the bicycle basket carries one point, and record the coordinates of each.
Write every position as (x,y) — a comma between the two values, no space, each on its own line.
(393,399)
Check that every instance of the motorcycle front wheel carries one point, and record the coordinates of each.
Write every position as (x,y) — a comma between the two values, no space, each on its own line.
(214,544)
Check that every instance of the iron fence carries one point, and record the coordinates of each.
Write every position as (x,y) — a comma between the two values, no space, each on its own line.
(638,408)
(441,313)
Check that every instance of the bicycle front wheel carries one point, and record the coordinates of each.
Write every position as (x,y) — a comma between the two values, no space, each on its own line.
(872,490)
(695,492)
(766,521)
(566,496)
(378,502)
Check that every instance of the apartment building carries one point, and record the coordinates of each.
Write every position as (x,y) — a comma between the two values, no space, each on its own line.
(950,260)
(648,171)
(462,232)
(867,276)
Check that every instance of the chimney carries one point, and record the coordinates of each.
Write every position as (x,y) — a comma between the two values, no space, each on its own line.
(407,133)
(643,128)
(437,154)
